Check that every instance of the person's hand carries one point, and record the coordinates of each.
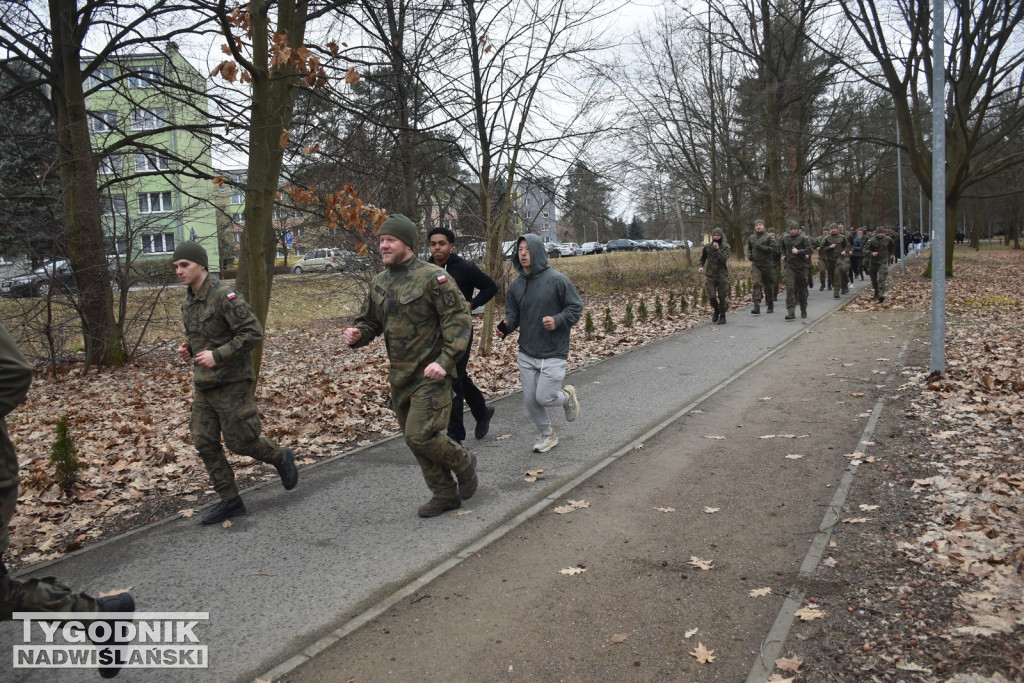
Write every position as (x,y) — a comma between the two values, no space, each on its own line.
(502,329)
(832,246)
(183,352)
(351,335)
(548,322)
(469,307)
(795,250)
(874,253)
(434,371)
(714,245)
(205,359)
(700,270)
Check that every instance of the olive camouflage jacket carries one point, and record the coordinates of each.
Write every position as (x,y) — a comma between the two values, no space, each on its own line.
(422,315)
(218,319)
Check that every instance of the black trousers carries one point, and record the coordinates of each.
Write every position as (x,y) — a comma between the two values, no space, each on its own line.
(465,392)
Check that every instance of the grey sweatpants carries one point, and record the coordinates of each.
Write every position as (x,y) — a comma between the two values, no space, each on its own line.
(542,388)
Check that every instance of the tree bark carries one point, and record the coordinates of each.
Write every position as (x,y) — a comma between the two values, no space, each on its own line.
(85,242)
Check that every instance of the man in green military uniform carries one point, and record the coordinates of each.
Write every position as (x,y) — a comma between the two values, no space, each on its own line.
(426,326)
(838,246)
(220,333)
(796,252)
(714,264)
(46,594)
(826,257)
(878,249)
(761,248)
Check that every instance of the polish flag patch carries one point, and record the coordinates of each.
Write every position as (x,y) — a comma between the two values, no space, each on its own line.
(232,296)
(442,279)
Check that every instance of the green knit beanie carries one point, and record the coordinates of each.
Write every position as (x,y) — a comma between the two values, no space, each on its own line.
(191,251)
(401,227)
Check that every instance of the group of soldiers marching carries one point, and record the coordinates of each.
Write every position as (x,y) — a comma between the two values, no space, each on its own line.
(844,254)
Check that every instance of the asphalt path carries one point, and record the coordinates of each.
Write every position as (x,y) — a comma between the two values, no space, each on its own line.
(302,564)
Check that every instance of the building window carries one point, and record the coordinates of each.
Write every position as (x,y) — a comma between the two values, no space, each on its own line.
(117,245)
(238,196)
(145,77)
(104,121)
(155,202)
(162,243)
(147,119)
(148,161)
(113,204)
(100,79)
(111,164)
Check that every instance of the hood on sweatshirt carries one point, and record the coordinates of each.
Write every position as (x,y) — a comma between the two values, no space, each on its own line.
(720,233)
(538,255)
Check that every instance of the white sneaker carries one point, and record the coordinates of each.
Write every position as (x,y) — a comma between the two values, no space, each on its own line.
(572,406)
(546,443)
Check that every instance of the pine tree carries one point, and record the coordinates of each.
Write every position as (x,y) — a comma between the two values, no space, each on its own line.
(703,297)
(63,458)
(609,324)
(641,311)
(627,320)
(672,303)
(682,303)
(659,312)
(588,326)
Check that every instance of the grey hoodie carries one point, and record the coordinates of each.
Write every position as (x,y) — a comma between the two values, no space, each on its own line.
(537,294)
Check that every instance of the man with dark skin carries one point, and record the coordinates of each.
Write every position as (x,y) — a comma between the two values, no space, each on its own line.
(468,278)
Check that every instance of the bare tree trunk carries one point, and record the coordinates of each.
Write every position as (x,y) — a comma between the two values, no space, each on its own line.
(85,241)
(273,102)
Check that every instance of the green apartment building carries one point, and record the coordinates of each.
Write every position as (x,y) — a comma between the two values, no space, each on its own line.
(149,121)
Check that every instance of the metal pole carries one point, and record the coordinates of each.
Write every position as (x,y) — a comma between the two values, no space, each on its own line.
(938,341)
(899,194)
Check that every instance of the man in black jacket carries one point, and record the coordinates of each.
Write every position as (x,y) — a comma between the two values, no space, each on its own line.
(468,278)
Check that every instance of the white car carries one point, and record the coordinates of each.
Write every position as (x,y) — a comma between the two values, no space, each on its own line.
(569,249)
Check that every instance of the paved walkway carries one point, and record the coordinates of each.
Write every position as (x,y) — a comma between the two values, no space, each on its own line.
(301,564)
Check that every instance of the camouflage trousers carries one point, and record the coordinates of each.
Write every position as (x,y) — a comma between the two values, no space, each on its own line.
(423,409)
(879,273)
(32,595)
(796,289)
(827,272)
(842,276)
(762,276)
(776,280)
(718,292)
(230,410)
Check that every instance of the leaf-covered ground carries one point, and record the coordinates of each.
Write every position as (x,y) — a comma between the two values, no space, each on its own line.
(131,424)
(928,586)
(931,587)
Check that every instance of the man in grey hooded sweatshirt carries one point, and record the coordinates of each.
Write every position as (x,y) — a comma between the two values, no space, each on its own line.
(543,305)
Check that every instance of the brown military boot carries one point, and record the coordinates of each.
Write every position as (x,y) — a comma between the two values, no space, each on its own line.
(438,505)
(467,480)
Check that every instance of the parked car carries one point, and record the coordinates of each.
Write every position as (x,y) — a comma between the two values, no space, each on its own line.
(591,248)
(620,245)
(39,281)
(662,245)
(569,249)
(329,260)
(554,249)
